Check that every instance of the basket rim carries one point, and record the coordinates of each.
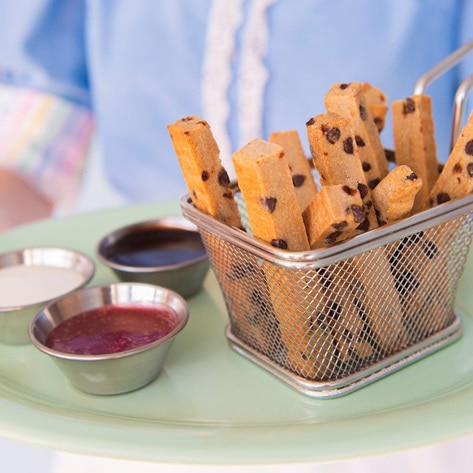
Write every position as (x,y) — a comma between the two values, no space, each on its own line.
(320,257)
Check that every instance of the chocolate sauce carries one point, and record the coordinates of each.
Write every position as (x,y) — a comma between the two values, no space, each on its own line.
(155,247)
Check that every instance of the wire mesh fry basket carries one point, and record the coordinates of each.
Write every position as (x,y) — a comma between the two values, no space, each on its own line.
(332,320)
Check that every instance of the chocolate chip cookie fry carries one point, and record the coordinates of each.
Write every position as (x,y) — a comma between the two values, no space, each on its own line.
(378,300)
(311,349)
(301,172)
(320,321)
(336,158)
(266,186)
(207,180)
(456,178)
(333,215)
(420,268)
(414,143)
(377,102)
(248,299)
(341,314)
(349,101)
(394,196)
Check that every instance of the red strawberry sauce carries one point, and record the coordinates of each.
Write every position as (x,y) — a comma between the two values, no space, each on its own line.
(112,329)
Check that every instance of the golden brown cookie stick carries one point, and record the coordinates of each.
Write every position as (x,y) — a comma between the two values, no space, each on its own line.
(378,300)
(266,185)
(377,102)
(301,172)
(394,196)
(456,178)
(310,347)
(207,180)
(349,101)
(333,215)
(336,157)
(419,264)
(414,143)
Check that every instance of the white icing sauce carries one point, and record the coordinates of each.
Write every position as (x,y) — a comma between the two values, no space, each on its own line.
(23,285)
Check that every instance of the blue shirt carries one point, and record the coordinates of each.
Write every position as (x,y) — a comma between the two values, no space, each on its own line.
(249,67)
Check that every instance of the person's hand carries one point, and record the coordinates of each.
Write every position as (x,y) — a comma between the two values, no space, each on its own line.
(19,202)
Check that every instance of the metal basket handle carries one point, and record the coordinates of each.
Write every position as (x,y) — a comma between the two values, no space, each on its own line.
(459,108)
(462,92)
(443,66)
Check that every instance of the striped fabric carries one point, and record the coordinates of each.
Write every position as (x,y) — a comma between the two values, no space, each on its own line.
(45,139)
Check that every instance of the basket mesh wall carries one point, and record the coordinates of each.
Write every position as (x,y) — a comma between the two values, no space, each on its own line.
(327,323)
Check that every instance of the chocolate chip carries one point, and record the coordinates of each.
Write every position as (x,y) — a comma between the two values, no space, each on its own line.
(325,278)
(359,140)
(430,249)
(187,132)
(442,197)
(364,226)
(332,134)
(349,190)
(223,178)
(340,225)
(409,106)
(363,113)
(358,214)
(366,166)
(458,168)
(373,183)
(269,203)
(227,195)
(319,321)
(348,145)
(416,237)
(332,237)
(310,122)
(279,243)
(256,298)
(298,180)
(205,175)
(347,334)
(469,148)
(405,281)
(334,311)
(363,190)
(469,169)
(239,271)
(344,86)
(411,177)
